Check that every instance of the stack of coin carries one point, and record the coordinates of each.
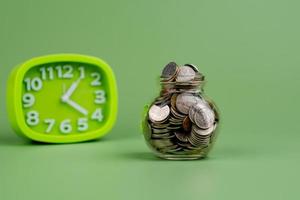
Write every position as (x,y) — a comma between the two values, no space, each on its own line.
(181,121)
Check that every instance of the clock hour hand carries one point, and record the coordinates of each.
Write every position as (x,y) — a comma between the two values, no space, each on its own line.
(66,98)
(70,91)
(76,106)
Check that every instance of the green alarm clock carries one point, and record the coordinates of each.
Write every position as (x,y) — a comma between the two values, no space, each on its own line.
(62,98)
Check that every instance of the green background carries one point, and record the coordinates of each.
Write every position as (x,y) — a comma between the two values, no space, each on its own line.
(249,52)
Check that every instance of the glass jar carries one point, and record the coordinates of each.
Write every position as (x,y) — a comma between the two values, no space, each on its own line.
(181,124)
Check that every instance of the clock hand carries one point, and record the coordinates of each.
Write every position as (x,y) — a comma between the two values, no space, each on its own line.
(66,98)
(70,91)
(76,106)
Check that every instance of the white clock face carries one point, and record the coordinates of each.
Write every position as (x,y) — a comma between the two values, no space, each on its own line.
(65,98)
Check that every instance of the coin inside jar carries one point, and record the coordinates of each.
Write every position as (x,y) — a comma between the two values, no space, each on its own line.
(187,124)
(194,67)
(169,71)
(173,100)
(185,74)
(203,132)
(185,100)
(199,76)
(181,136)
(203,116)
(158,114)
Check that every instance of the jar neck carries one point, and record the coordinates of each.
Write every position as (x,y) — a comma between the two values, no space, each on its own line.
(168,89)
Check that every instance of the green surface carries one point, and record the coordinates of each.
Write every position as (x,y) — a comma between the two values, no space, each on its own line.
(249,52)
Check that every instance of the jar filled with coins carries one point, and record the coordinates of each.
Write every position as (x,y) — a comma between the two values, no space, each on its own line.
(181,123)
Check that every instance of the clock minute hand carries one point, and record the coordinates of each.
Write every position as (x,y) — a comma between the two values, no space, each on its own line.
(66,98)
(70,91)
(76,106)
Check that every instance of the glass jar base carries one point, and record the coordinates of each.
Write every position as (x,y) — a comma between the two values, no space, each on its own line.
(181,157)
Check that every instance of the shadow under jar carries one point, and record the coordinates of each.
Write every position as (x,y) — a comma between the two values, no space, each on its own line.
(181,124)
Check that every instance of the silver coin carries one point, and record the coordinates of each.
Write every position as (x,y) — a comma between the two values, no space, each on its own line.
(174,149)
(190,90)
(161,143)
(185,100)
(158,114)
(162,136)
(181,136)
(194,67)
(204,118)
(199,76)
(169,148)
(193,141)
(157,131)
(159,125)
(192,112)
(213,107)
(176,114)
(175,120)
(162,101)
(203,132)
(184,144)
(185,74)
(202,115)
(198,148)
(176,123)
(196,141)
(173,100)
(170,70)
(173,128)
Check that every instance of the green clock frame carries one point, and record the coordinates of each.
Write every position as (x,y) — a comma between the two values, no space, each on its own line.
(15,106)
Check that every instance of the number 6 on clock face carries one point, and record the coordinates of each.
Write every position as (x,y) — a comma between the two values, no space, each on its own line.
(62,98)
